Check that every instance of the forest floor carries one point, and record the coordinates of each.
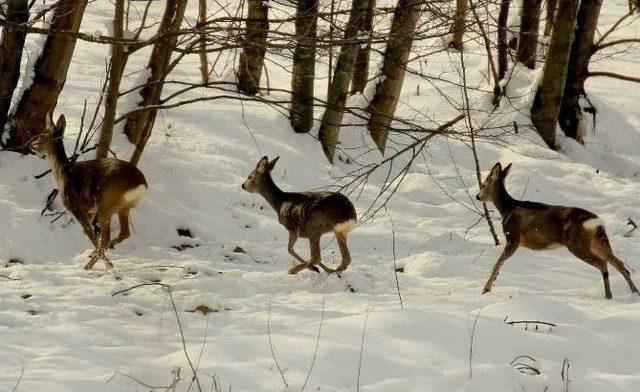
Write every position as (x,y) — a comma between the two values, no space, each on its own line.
(61,327)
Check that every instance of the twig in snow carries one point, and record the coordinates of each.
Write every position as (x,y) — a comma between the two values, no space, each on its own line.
(471,339)
(315,351)
(526,323)
(525,368)
(364,330)
(633,225)
(15,386)
(175,379)
(565,374)
(167,288)
(204,341)
(273,353)
(393,251)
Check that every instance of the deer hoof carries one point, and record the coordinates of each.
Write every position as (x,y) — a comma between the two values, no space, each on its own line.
(486,290)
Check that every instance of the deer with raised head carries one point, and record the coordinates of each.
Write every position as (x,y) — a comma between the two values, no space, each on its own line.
(94,190)
(306,215)
(540,226)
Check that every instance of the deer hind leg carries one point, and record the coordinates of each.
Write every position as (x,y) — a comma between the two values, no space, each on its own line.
(583,251)
(123,217)
(602,248)
(344,251)
(619,265)
(104,223)
(508,251)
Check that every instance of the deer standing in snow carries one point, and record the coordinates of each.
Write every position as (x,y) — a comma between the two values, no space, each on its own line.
(540,226)
(94,190)
(307,215)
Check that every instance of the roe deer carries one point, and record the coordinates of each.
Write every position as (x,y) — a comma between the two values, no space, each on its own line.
(540,226)
(94,190)
(307,215)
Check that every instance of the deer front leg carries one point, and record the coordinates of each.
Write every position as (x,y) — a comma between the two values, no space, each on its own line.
(508,251)
(293,237)
(104,223)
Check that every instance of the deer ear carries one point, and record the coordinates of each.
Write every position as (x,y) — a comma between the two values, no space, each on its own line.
(505,172)
(263,164)
(48,122)
(61,124)
(272,164)
(497,169)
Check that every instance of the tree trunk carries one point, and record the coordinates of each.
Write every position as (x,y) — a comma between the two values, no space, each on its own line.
(458,25)
(529,25)
(339,88)
(304,63)
(116,68)
(551,15)
(202,45)
(255,41)
(361,71)
(385,100)
(570,111)
(139,124)
(503,44)
(50,73)
(11,45)
(546,104)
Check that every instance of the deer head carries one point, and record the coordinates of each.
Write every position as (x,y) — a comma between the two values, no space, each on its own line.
(46,143)
(260,177)
(494,182)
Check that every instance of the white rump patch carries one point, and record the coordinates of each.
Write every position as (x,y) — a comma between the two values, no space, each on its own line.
(345,226)
(593,223)
(133,196)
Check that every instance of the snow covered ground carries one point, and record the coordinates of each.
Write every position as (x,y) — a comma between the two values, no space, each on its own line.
(61,329)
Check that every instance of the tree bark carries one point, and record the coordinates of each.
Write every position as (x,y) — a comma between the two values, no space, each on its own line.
(339,88)
(202,45)
(578,72)
(50,73)
(385,100)
(11,45)
(304,63)
(503,44)
(361,71)
(529,25)
(551,15)
(139,124)
(458,25)
(546,104)
(116,68)
(255,41)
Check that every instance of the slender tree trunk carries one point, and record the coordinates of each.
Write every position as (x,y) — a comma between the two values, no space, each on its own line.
(202,45)
(11,45)
(50,74)
(503,44)
(385,100)
(551,15)
(255,41)
(546,104)
(339,88)
(361,72)
(139,124)
(304,63)
(570,111)
(458,25)
(116,68)
(529,25)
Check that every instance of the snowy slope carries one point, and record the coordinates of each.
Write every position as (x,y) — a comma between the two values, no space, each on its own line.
(61,328)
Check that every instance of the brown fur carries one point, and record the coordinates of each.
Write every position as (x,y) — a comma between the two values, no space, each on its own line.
(93,191)
(306,215)
(540,226)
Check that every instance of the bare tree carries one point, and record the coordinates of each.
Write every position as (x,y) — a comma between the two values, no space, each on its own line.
(339,88)
(529,25)
(383,105)
(254,42)
(458,25)
(11,45)
(546,104)
(202,45)
(551,15)
(578,72)
(140,123)
(304,66)
(503,44)
(116,68)
(361,71)
(50,73)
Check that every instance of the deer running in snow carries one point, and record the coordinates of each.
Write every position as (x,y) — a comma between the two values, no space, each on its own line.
(307,215)
(94,190)
(540,226)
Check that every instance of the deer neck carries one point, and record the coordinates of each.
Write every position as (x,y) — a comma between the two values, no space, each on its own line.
(58,159)
(272,194)
(503,201)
